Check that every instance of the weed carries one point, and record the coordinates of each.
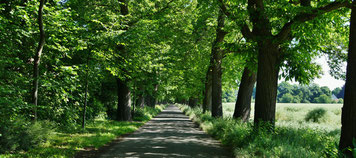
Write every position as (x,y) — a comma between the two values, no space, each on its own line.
(292,109)
(316,115)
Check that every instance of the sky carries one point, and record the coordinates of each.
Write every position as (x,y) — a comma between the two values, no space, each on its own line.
(326,79)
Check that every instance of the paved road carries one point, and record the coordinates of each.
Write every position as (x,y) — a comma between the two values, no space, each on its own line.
(169,134)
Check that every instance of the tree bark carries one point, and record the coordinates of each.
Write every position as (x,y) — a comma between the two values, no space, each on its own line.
(243,102)
(267,72)
(151,98)
(139,96)
(123,91)
(348,119)
(140,102)
(86,93)
(208,89)
(37,59)
(124,101)
(267,80)
(193,102)
(216,106)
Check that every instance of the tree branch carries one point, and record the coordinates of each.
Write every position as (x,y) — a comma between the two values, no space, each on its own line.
(303,17)
(245,30)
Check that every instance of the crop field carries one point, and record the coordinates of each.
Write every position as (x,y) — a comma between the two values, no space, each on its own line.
(295,114)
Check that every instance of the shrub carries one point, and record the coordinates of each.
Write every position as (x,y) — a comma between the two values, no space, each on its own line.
(146,113)
(20,134)
(139,112)
(316,115)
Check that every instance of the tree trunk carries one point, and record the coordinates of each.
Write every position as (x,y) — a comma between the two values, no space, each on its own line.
(193,102)
(243,102)
(140,102)
(41,43)
(124,101)
(86,93)
(208,89)
(123,91)
(348,119)
(216,106)
(151,98)
(267,78)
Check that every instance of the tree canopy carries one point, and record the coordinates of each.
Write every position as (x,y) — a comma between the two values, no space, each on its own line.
(71,60)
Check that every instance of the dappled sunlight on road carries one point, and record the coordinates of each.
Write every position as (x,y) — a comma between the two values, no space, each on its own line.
(170,134)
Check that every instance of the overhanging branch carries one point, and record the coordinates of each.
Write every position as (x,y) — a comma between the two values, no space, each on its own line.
(245,30)
(303,17)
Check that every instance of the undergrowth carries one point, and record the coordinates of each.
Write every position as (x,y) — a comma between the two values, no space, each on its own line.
(62,142)
(281,142)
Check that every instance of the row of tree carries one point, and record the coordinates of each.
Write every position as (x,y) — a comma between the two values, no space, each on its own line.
(284,35)
(68,60)
(292,93)
(288,93)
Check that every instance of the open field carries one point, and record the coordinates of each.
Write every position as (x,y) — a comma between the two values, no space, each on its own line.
(293,115)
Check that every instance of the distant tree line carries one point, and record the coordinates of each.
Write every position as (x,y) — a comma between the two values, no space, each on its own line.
(292,93)
(288,93)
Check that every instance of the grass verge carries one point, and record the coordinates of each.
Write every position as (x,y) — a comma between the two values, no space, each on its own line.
(64,143)
(282,142)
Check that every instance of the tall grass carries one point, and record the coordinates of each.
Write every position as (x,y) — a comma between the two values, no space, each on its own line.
(284,141)
(293,115)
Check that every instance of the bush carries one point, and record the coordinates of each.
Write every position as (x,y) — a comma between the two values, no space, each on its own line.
(21,134)
(316,115)
(146,113)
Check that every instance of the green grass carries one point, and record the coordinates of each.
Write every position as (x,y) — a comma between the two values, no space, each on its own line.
(293,115)
(96,134)
(290,138)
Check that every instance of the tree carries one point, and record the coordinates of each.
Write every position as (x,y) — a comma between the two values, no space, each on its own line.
(208,89)
(217,55)
(287,98)
(341,94)
(323,99)
(348,119)
(336,91)
(37,59)
(270,47)
(243,102)
(284,88)
(123,93)
(325,90)
(86,92)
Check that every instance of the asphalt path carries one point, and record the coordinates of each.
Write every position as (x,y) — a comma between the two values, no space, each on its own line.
(169,134)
